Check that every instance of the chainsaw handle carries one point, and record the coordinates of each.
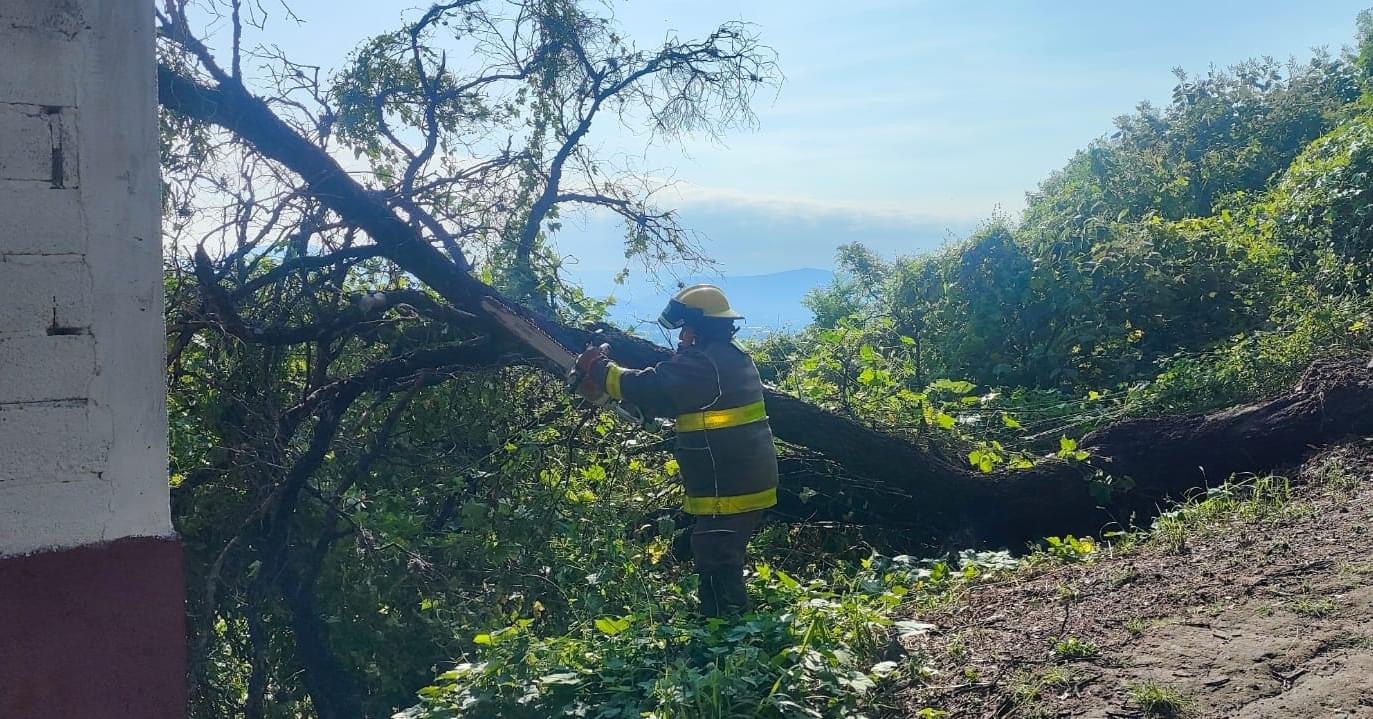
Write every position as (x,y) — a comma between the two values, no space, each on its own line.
(627,413)
(577,373)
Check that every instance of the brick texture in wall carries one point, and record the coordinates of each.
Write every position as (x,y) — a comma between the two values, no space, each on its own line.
(82,416)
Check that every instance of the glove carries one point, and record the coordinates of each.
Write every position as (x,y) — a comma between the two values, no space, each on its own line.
(586,361)
(686,338)
(585,372)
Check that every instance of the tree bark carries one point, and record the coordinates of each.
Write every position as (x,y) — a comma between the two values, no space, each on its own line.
(933,500)
(1164,457)
(854,473)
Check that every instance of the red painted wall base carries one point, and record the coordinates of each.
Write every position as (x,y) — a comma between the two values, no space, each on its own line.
(95,631)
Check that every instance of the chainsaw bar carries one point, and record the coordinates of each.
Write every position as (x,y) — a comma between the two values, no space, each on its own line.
(530,334)
(544,343)
(536,339)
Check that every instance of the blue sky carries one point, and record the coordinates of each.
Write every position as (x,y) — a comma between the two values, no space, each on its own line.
(899,124)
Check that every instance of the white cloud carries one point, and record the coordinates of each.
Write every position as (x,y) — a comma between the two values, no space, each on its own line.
(691,196)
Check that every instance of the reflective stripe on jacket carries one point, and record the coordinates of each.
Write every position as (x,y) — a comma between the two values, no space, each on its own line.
(724,442)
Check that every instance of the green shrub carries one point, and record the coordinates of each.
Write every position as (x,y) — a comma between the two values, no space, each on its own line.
(809,649)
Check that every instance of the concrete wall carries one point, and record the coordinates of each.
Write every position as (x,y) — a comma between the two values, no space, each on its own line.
(91,617)
(83,452)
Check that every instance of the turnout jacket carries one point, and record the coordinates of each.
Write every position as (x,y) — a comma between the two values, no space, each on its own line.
(724,446)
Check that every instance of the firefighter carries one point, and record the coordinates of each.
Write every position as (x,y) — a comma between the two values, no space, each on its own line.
(724,447)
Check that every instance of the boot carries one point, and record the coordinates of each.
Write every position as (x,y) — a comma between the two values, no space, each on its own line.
(723,593)
(681,546)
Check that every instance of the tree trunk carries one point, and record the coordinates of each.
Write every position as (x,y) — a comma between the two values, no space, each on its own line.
(934,500)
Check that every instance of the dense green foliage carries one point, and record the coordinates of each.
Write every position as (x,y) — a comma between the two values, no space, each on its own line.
(1217,244)
(808,651)
(470,523)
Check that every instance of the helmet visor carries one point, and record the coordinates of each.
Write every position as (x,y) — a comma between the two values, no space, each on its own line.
(676,315)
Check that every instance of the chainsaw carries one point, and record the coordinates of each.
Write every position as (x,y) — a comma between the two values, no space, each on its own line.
(554,351)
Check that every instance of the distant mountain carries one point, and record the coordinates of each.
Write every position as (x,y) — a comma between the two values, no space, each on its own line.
(768,302)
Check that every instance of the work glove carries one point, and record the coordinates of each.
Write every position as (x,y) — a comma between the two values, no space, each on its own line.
(585,374)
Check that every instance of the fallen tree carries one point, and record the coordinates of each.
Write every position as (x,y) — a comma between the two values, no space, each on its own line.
(924,490)
(885,479)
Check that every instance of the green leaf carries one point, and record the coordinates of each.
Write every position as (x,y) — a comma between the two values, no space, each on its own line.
(610,626)
(984,461)
(954,386)
(560,678)
(1067,449)
(1009,421)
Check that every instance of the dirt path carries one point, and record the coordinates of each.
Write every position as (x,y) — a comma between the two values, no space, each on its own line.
(1246,608)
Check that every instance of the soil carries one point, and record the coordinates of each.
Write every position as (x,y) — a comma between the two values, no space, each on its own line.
(1253,616)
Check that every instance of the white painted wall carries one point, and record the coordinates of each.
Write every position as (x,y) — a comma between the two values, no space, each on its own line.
(83,426)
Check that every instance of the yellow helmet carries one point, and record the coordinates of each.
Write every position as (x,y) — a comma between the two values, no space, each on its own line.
(696,302)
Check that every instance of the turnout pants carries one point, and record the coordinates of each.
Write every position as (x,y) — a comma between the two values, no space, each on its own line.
(719,544)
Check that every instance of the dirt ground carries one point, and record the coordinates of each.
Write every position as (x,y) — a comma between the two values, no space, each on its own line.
(1262,612)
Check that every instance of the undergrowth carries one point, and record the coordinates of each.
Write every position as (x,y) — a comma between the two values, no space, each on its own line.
(1254,500)
(816,648)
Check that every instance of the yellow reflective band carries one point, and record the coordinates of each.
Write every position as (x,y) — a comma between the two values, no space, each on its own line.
(737,504)
(722,418)
(612,381)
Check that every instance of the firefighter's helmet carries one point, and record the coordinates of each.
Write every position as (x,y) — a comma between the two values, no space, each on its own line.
(695,303)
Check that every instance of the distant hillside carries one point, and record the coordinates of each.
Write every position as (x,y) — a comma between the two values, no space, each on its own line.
(769,302)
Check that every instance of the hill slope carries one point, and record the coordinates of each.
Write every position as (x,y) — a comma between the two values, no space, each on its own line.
(1254,602)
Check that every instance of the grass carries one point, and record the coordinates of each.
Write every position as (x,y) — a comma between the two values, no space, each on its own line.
(1337,477)
(1313,608)
(1060,677)
(1136,626)
(1358,569)
(1156,700)
(1252,500)
(1074,648)
(1358,641)
(1027,688)
(957,649)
